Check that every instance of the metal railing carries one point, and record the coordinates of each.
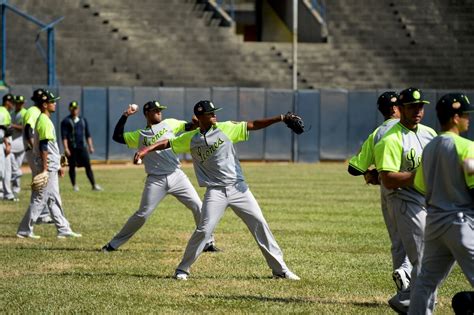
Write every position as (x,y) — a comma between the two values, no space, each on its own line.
(228,6)
(320,7)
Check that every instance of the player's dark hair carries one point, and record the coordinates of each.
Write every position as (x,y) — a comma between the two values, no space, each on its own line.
(443,118)
(386,111)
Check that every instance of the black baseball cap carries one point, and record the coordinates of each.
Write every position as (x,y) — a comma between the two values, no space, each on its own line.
(19,99)
(7,97)
(387,99)
(453,103)
(412,96)
(73,104)
(205,107)
(43,95)
(152,105)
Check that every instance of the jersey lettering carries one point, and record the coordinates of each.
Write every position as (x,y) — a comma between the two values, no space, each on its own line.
(203,156)
(413,159)
(152,140)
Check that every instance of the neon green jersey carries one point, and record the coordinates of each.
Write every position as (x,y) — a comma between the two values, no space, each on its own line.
(31,116)
(5,118)
(44,130)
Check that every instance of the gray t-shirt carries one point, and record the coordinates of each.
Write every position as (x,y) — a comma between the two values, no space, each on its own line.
(214,156)
(157,162)
(442,179)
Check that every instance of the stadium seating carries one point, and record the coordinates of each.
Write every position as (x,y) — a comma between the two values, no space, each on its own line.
(380,44)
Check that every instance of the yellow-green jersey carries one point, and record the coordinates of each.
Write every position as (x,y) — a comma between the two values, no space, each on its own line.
(157,162)
(214,157)
(44,130)
(31,115)
(400,150)
(366,157)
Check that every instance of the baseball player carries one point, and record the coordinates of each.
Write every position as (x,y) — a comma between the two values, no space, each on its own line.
(218,169)
(77,143)
(18,148)
(46,159)
(6,187)
(359,165)
(397,156)
(5,120)
(29,124)
(449,192)
(163,168)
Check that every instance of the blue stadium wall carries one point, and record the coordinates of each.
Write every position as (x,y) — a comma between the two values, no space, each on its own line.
(338,121)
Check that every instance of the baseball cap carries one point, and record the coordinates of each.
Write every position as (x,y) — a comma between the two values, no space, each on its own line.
(205,107)
(387,99)
(19,99)
(453,103)
(152,105)
(412,96)
(73,104)
(7,97)
(42,95)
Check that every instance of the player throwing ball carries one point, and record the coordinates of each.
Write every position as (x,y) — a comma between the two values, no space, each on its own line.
(163,168)
(217,167)
(449,192)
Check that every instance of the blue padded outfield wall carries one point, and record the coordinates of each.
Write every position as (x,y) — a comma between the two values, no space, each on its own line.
(337,121)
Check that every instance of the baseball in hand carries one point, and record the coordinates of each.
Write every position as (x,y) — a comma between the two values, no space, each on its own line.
(134,107)
(139,161)
(469,166)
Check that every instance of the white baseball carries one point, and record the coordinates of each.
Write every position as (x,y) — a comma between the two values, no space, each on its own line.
(139,161)
(469,166)
(134,107)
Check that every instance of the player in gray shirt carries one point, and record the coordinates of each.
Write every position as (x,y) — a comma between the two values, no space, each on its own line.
(218,169)
(449,193)
(164,174)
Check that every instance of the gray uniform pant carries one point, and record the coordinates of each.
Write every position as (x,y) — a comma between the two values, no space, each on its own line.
(399,255)
(241,200)
(17,161)
(410,219)
(456,244)
(6,188)
(49,197)
(31,164)
(156,188)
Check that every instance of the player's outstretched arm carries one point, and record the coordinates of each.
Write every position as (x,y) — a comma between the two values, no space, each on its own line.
(160,145)
(263,123)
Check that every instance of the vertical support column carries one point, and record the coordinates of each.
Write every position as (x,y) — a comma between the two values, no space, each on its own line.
(51,61)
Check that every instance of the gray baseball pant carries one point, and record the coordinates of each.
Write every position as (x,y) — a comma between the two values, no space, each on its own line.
(399,256)
(156,188)
(241,200)
(455,244)
(7,178)
(410,219)
(47,197)
(17,161)
(31,163)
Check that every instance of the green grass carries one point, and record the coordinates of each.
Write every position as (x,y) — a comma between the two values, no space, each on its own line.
(327,223)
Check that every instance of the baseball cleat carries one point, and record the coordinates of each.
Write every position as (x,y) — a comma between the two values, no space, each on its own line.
(287,275)
(180,275)
(401,279)
(31,235)
(75,188)
(97,188)
(211,248)
(69,234)
(107,248)
(398,305)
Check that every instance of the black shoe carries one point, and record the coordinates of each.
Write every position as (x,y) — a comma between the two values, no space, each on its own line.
(211,248)
(107,248)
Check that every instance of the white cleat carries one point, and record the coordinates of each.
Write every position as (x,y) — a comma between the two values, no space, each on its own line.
(69,235)
(287,275)
(31,235)
(180,275)
(401,279)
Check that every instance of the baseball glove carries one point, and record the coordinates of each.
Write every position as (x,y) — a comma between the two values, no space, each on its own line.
(40,181)
(64,161)
(294,122)
(372,177)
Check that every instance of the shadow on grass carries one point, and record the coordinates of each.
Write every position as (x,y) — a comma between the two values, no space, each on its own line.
(110,274)
(314,300)
(96,249)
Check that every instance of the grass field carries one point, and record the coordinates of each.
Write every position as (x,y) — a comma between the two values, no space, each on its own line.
(327,222)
